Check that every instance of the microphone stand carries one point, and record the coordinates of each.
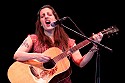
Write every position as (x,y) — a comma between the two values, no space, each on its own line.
(97,73)
(97,80)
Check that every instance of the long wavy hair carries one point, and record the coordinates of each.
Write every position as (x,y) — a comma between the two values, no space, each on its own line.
(60,36)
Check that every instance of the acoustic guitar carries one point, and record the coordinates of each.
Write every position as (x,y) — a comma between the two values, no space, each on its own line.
(24,72)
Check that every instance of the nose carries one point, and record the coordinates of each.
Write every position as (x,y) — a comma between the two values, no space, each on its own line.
(46,16)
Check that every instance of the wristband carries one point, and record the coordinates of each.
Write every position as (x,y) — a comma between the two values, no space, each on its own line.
(93,49)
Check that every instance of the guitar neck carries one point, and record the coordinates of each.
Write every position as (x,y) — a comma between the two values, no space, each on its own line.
(107,31)
(71,50)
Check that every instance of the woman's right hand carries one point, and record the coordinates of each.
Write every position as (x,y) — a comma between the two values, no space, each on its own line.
(42,58)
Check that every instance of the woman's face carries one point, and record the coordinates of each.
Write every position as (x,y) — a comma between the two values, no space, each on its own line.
(46,18)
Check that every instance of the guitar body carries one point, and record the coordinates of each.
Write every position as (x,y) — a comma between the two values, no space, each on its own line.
(20,72)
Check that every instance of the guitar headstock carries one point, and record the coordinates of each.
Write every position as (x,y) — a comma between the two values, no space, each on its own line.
(110,31)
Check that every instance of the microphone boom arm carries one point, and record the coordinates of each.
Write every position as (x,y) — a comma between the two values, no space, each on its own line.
(92,41)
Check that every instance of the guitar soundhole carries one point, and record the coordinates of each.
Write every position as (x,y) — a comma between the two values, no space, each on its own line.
(50,64)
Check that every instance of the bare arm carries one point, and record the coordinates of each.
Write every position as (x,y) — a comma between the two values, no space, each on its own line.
(80,60)
(22,53)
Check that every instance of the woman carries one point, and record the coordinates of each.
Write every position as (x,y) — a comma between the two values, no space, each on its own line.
(46,37)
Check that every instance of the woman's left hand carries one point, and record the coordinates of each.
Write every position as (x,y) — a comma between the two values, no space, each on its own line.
(97,37)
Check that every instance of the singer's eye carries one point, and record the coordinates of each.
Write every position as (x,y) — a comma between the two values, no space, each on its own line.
(49,13)
(41,16)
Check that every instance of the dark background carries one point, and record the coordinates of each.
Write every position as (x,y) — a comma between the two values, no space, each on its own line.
(18,20)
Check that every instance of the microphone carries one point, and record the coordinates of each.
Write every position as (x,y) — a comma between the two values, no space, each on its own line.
(53,24)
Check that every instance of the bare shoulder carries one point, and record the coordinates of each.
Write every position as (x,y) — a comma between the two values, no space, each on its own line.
(26,44)
(33,36)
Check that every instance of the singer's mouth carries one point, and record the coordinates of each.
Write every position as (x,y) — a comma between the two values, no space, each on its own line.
(48,22)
